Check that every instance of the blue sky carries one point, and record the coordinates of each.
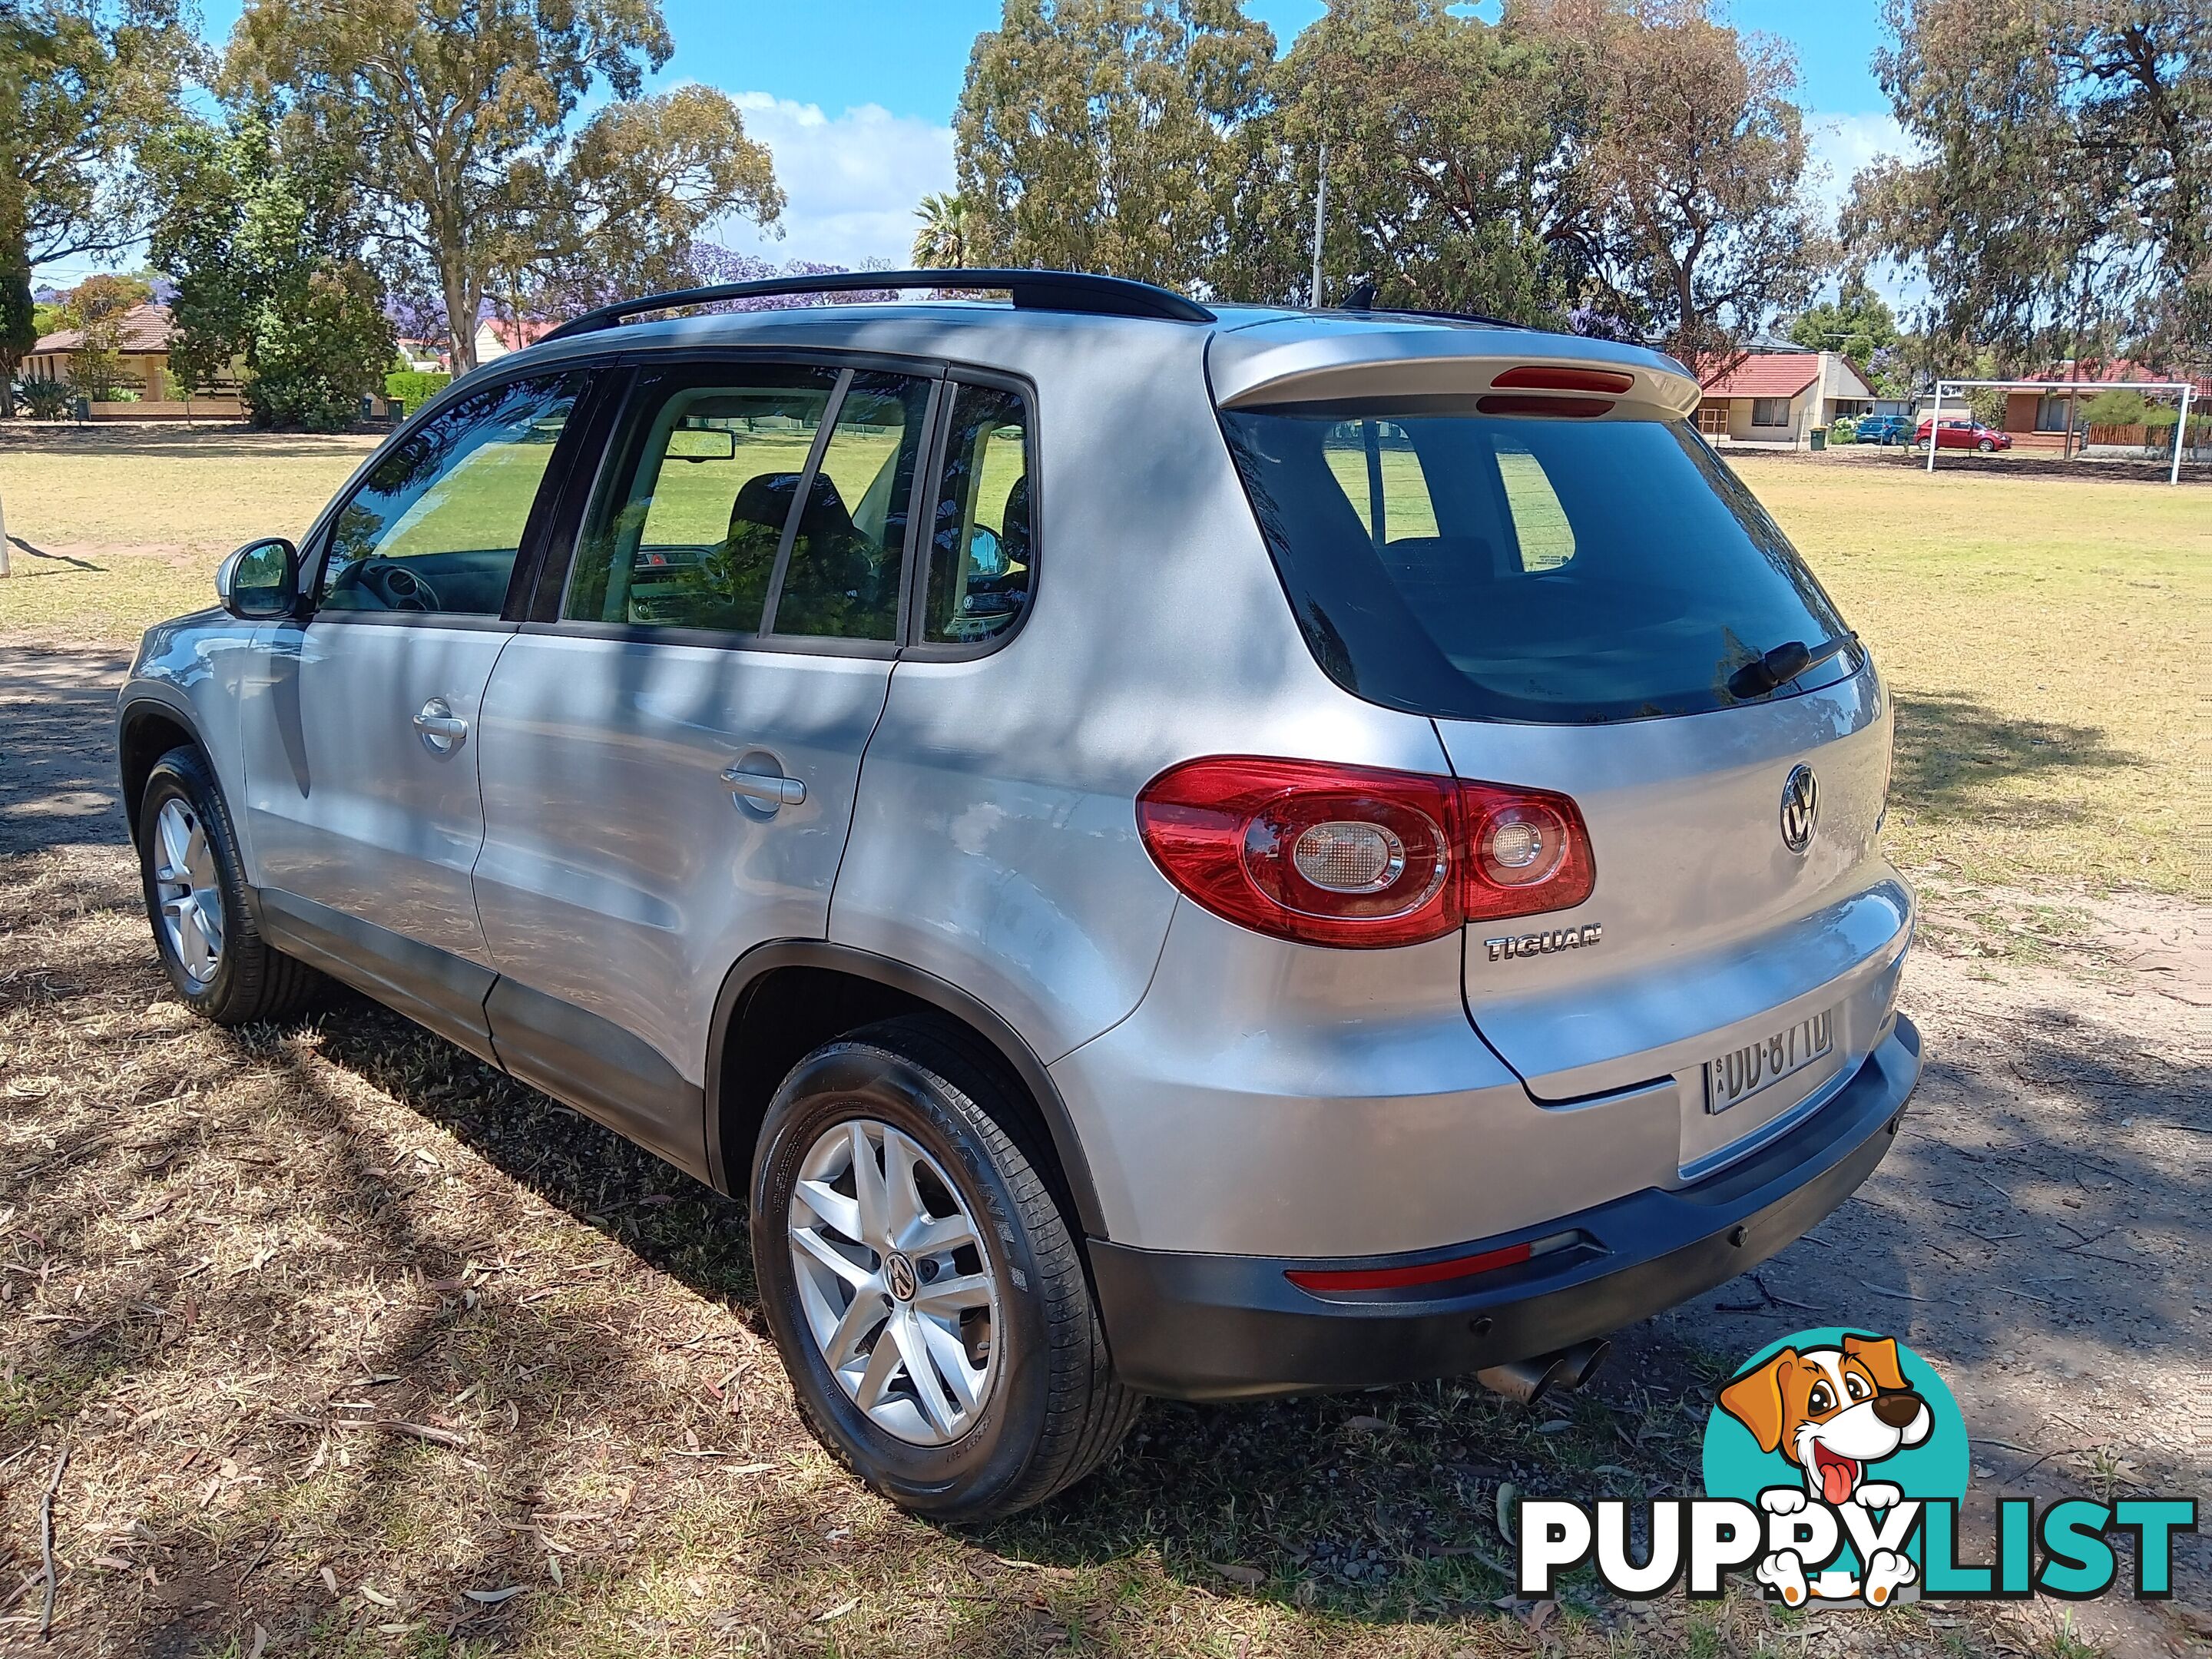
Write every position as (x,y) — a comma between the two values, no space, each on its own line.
(855,98)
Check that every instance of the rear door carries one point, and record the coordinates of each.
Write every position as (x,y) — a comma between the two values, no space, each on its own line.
(362,788)
(1575,599)
(669,757)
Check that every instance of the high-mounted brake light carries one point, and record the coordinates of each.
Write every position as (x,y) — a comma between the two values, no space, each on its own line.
(1549,377)
(1358,855)
(1528,402)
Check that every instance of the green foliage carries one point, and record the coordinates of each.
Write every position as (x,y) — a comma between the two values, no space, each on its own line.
(501,192)
(46,400)
(2118,408)
(19,329)
(1405,95)
(2060,200)
(84,85)
(101,296)
(271,286)
(942,241)
(415,386)
(1110,134)
(1843,430)
(1857,323)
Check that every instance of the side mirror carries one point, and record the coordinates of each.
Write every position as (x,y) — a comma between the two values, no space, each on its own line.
(260,581)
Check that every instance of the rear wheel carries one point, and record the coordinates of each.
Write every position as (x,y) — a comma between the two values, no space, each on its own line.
(196,900)
(928,1297)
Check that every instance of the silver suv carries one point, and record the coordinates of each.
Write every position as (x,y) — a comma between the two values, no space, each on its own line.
(1164,850)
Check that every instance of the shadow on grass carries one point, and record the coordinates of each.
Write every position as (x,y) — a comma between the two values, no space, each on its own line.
(1951,750)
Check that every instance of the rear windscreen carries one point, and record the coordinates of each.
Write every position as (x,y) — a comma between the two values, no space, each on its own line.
(1479,567)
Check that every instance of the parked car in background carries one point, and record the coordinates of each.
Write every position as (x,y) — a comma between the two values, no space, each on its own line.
(1164,850)
(1965,434)
(1882,429)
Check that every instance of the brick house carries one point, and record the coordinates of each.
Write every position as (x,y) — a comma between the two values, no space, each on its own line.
(1779,396)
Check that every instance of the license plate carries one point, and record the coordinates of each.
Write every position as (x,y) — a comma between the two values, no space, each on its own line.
(1733,1077)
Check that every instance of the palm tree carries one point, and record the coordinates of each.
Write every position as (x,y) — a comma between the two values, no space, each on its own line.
(941,243)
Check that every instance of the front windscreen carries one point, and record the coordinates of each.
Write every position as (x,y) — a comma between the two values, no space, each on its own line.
(1500,567)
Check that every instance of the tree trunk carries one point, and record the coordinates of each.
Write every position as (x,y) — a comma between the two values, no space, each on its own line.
(460,321)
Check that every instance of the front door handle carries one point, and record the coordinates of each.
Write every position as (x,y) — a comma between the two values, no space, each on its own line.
(769,788)
(442,730)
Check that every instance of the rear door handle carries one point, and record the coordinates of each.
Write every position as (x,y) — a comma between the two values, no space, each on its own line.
(769,788)
(442,730)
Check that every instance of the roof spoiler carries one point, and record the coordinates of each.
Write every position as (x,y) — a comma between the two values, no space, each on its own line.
(1032,290)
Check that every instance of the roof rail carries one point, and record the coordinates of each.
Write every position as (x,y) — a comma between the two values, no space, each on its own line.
(1032,290)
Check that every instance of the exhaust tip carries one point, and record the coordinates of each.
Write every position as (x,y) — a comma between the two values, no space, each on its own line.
(1564,1369)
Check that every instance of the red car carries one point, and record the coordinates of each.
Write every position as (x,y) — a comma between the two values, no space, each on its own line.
(1966,434)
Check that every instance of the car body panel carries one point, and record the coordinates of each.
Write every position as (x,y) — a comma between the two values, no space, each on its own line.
(619,873)
(346,802)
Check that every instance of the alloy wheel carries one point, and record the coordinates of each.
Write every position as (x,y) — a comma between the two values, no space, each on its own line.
(895,1280)
(191,896)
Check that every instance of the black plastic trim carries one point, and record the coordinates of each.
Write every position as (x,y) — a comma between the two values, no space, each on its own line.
(763,959)
(433,988)
(1199,1327)
(1031,290)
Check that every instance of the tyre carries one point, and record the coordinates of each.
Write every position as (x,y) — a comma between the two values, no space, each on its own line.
(196,901)
(1985,447)
(922,1285)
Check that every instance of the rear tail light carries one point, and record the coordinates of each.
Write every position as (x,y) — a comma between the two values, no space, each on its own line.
(1356,855)
(1323,1280)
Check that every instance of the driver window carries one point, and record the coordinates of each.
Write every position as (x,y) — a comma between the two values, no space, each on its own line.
(439,521)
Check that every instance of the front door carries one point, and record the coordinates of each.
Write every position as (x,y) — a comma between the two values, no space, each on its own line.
(669,769)
(362,807)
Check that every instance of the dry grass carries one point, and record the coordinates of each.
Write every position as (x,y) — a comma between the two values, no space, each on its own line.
(342,1326)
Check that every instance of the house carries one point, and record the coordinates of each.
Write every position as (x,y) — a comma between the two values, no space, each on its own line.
(1779,396)
(2056,412)
(142,346)
(497,336)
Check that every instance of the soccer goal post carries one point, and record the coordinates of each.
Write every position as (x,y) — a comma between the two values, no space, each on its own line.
(1944,388)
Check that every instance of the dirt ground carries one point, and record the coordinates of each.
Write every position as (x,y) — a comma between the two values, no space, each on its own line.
(358,1348)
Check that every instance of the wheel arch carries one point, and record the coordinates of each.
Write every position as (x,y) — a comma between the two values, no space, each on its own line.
(147,728)
(785,999)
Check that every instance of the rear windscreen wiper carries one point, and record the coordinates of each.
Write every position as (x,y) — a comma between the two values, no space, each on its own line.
(1784,663)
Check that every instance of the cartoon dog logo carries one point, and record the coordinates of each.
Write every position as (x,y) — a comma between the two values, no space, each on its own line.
(1833,1412)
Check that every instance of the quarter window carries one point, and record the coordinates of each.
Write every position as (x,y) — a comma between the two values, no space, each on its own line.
(982,552)
(438,524)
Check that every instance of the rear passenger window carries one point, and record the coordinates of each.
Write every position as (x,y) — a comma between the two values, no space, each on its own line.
(982,543)
(848,557)
(685,533)
(438,523)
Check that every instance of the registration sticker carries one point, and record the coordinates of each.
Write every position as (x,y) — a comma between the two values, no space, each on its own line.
(1736,1076)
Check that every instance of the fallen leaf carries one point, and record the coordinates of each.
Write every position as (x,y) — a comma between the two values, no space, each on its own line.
(1365,1425)
(1556,1426)
(1250,1577)
(837,1612)
(1508,1504)
(493,1598)
(369,1592)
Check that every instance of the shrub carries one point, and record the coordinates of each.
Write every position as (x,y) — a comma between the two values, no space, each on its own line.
(2121,408)
(46,400)
(415,386)
(1843,430)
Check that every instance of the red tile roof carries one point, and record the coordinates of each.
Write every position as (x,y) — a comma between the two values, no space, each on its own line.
(516,332)
(2088,369)
(142,328)
(1768,374)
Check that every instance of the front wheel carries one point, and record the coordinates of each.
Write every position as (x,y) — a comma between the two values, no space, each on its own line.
(196,900)
(1985,447)
(928,1297)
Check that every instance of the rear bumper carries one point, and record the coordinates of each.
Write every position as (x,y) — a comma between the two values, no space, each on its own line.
(1199,1327)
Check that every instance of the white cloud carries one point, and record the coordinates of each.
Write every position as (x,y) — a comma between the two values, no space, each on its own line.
(851,181)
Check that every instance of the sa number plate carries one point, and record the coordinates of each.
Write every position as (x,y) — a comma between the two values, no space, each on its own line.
(1733,1077)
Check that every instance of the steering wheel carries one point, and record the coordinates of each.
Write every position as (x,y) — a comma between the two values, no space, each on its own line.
(399,588)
